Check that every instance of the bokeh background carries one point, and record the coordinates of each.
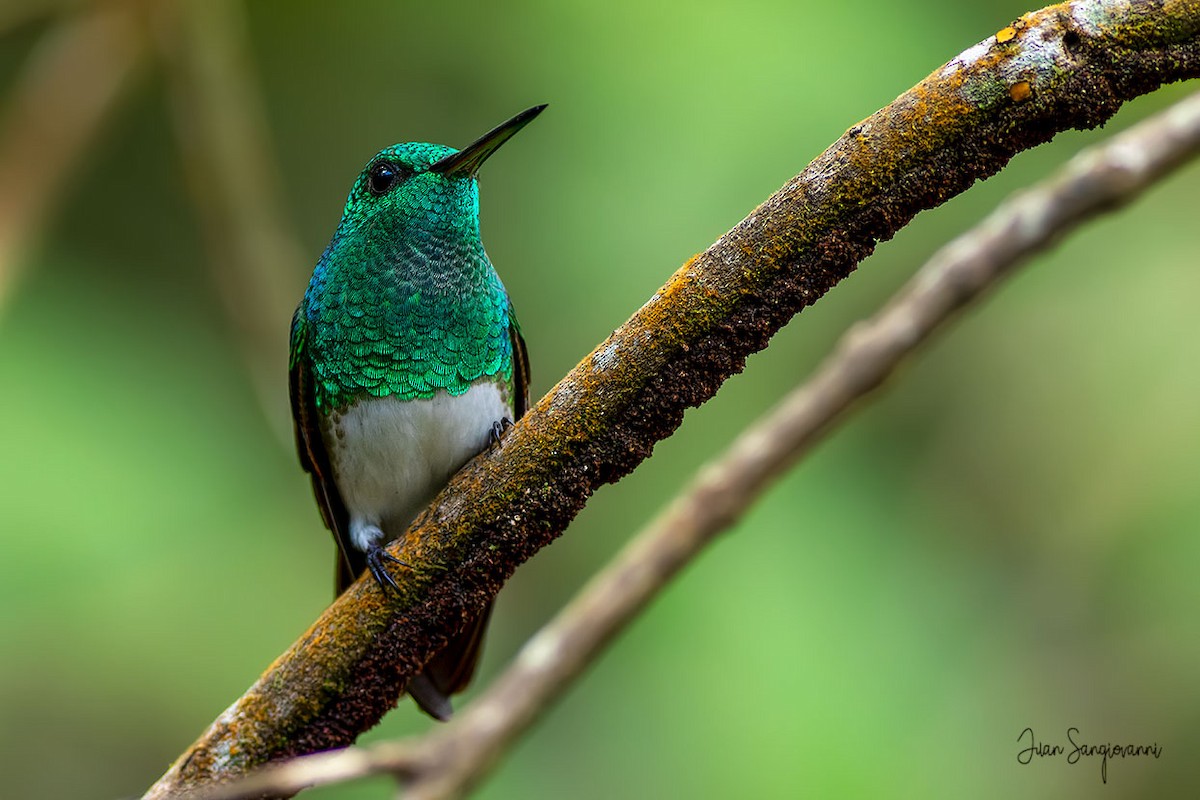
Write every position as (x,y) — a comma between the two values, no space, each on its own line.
(1005,538)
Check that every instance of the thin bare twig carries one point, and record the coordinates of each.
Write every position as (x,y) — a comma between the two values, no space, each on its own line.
(68,88)
(1070,65)
(451,760)
(221,126)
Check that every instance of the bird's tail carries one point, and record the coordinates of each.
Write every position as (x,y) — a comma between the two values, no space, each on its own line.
(449,672)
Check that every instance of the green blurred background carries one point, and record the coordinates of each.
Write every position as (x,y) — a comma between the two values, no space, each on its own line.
(1006,538)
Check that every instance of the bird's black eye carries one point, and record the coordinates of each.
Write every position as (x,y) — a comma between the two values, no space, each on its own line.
(382,176)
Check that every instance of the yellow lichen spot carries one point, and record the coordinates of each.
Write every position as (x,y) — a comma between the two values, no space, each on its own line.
(1020,91)
(1006,34)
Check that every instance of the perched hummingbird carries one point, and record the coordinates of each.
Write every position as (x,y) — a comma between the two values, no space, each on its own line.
(406,360)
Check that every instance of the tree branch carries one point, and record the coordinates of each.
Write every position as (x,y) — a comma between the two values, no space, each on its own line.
(1066,66)
(454,758)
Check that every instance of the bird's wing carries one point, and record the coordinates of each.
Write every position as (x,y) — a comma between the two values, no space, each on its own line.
(315,460)
(520,367)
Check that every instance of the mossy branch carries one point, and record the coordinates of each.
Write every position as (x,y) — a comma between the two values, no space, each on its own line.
(1066,66)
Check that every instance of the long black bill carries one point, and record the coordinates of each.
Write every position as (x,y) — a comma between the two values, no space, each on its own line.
(470,158)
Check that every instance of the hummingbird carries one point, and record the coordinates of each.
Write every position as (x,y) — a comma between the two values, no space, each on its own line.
(406,361)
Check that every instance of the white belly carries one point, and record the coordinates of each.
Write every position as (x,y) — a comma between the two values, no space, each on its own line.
(392,456)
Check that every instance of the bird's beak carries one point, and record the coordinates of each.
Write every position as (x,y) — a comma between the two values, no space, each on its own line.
(468,160)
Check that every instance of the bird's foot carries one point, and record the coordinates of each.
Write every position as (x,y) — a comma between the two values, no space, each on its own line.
(376,556)
(499,428)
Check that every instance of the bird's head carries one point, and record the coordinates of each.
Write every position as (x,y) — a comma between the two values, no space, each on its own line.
(420,189)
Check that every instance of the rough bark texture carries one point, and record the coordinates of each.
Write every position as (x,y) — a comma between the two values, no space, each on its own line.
(1066,66)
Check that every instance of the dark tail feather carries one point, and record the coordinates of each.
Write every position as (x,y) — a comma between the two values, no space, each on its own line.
(429,699)
(449,672)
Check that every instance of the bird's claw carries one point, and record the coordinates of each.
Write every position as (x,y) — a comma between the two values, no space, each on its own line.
(499,427)
(375,558)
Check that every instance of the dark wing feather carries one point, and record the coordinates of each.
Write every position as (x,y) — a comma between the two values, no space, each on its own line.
(315,460)
(520,368)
